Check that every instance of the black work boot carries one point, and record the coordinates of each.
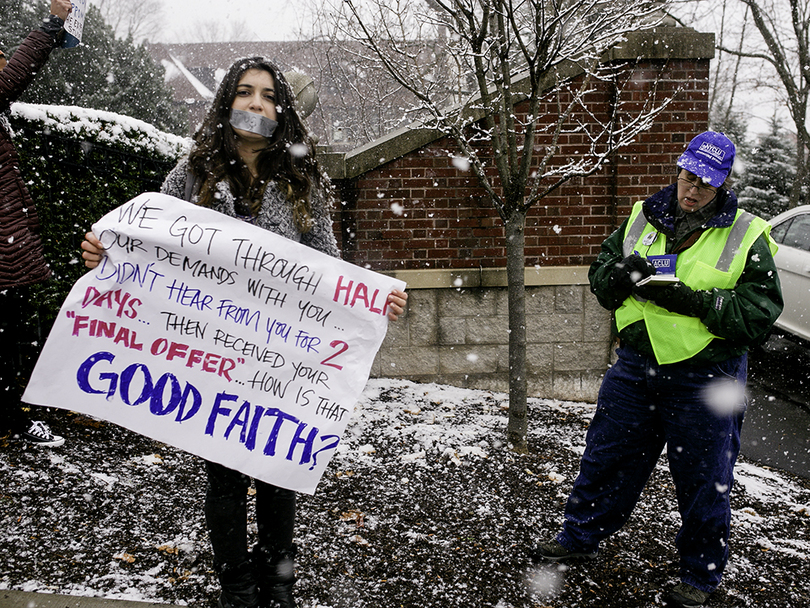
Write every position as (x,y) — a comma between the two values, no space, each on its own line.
(239,589)
(275,572)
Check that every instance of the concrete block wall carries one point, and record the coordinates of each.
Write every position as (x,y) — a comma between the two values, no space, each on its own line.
(460,337)
(457,333)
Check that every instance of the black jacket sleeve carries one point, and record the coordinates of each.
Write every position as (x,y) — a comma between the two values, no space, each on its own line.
(745,314)
(610,255)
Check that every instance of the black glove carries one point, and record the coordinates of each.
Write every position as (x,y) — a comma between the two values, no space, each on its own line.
(648,291)
(628,272)
(675,297)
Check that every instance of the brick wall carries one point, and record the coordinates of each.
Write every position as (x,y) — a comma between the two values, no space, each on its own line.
(420,211)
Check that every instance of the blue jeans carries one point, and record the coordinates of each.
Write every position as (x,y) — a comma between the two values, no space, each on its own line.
(642,407)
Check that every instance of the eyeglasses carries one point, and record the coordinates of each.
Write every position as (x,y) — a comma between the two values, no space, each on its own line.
(696,182)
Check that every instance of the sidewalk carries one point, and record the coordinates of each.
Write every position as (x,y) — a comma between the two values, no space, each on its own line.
(25,599)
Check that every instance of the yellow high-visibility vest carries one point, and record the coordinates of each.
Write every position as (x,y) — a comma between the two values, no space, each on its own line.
(715,260)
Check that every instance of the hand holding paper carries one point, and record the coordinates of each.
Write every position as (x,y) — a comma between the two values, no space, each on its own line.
(658,279)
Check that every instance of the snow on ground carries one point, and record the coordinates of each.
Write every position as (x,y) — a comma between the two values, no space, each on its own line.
(422,505)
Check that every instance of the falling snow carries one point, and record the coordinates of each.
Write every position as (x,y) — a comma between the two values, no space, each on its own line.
(422,506)
(462,164)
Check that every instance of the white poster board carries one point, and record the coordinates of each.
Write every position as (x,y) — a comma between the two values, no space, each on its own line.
(74,24)
(218,337)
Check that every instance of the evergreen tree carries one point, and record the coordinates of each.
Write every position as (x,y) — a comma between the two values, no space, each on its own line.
(19,18)
(102,73)
(734,125)
(769,171)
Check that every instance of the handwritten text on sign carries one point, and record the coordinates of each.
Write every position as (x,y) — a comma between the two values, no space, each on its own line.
(217,337)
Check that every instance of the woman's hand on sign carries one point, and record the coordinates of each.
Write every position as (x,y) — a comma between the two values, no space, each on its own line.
(396,304)
(93,250)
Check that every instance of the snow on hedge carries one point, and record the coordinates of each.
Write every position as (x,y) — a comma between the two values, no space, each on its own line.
(103,127)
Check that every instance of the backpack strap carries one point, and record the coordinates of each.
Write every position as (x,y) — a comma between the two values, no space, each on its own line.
(691,240)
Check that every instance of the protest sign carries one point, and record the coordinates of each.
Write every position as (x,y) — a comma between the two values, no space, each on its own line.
(217,337)
(74,24)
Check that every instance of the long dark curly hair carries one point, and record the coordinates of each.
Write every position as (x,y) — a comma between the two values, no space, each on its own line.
(289,159)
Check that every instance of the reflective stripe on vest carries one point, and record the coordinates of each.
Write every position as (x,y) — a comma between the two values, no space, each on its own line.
(716,259)
(634,232)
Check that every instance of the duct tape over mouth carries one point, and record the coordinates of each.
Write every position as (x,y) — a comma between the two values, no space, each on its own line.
(254,123)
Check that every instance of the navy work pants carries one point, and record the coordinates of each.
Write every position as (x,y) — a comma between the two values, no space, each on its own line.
(697,412)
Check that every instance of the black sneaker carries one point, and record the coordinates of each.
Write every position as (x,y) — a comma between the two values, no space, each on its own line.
(40,434)
(686,596)
(553,551)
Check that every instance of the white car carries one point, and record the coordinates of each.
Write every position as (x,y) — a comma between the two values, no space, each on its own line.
(791,231)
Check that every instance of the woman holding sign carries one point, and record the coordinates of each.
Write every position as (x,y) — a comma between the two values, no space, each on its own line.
(253,159)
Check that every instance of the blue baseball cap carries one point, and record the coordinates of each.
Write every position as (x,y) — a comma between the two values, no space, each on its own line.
(710,156)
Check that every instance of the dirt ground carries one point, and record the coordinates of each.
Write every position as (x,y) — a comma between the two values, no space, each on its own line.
(423,507)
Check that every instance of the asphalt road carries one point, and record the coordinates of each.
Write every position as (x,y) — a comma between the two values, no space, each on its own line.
(776,431)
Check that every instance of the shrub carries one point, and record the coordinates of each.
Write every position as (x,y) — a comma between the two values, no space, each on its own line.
(78,165)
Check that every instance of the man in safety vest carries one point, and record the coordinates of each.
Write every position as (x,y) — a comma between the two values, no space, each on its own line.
(692,281)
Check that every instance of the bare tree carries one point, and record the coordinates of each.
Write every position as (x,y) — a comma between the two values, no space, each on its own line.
(787,50)
(137,20)
(358,102)
(778,59)
(212,30)
(732,77)
(481,70)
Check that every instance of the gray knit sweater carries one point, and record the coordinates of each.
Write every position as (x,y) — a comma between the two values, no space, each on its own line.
(276,213)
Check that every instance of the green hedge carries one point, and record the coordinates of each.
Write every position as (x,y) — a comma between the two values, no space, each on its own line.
(79,164)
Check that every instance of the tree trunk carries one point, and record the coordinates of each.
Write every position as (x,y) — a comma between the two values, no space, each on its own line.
(515,263)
